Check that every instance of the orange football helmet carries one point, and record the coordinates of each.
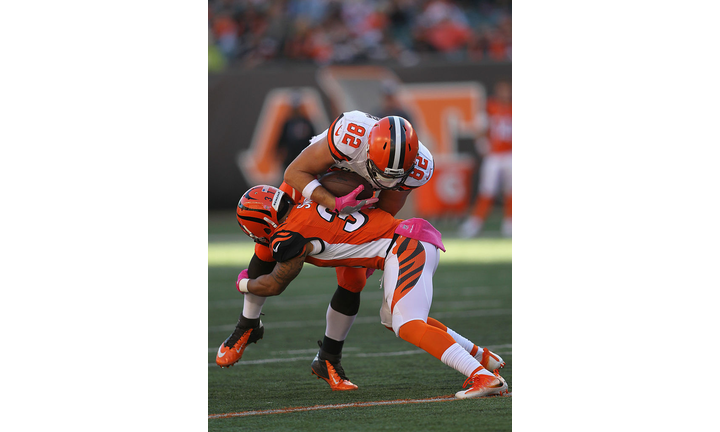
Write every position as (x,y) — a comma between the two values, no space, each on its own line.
(392,149)
(259,211)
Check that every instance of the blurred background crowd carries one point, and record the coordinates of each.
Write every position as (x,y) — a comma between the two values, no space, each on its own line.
(281,70)
(323,32)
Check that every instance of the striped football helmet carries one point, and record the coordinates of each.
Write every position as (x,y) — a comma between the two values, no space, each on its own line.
(259,211)
(392,149)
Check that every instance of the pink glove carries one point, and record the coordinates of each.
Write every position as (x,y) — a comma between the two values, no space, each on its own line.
(348,204)
(243,275)
(369,272)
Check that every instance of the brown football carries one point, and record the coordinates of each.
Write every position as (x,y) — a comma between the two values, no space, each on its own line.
(341,183)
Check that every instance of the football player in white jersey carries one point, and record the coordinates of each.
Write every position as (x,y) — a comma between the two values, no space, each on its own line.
(388,154)
(377,149)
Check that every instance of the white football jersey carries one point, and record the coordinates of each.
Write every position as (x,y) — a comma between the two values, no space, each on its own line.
(347,138)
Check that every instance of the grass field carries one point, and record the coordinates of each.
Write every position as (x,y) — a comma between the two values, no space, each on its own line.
(473,295)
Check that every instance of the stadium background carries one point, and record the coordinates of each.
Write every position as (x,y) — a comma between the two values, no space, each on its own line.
(339,57)
(440,58)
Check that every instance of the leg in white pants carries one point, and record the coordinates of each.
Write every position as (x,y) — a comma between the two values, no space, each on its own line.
(404,300)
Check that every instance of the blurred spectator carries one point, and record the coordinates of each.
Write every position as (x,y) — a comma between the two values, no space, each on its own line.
(225,31)
(296,132)
(216,61)
(347,31)
(494,143)
(391,105)
(401,14)
(443,26)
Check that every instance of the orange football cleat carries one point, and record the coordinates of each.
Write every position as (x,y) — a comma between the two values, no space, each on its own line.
(232,349)
(329,369)
(489,360)
(483,385)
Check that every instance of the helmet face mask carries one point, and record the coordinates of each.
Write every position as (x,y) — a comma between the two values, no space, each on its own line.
(259,211)
(386,180)
(392,149)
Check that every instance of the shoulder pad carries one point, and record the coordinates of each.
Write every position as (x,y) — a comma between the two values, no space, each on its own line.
(424,168)
(348,134)
(263,252)
(286,245)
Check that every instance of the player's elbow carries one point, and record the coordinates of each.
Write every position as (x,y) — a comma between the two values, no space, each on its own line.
(288,174)
(293,175)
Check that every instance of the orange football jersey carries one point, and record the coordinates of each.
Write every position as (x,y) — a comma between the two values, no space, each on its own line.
(499,126)
(360,239)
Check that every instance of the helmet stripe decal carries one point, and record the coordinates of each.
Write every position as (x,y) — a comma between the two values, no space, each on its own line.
(401,122)
(392,142)
(265,212)
(252,219)
(398,146)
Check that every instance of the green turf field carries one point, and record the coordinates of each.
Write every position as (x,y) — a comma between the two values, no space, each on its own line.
(472,296)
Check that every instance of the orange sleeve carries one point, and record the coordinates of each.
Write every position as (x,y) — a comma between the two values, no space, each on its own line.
(263,252)
(294,194)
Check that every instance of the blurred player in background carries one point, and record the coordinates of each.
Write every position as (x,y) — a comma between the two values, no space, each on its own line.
(494,142)
(296,132)
(407,251)
(391,105)
(388,154)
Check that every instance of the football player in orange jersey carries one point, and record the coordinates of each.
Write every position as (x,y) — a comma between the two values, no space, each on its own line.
(495,143)
(389,155)
(406,250)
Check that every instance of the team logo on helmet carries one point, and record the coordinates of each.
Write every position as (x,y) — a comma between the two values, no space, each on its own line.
(392,149)
(259,211)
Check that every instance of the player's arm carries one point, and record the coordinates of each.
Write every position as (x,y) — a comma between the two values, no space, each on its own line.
(259,266)
(314,160)
(392,201)
(280,277)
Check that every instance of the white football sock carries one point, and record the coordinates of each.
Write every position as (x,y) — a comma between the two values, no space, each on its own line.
(465,343)
(337,325)
(457,358)
(252,306)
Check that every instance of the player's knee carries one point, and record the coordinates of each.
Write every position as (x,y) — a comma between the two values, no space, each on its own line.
(346,302)
(412,331)
(435,323)
(352,279)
